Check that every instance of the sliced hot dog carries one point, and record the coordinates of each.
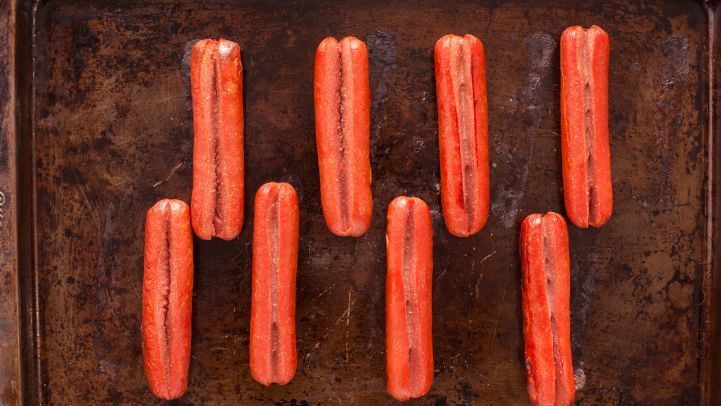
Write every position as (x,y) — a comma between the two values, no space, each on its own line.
(217,90)
(167,297)
(409,340)
(342,128)
(462,133)
(585,146)
(546,316)
(272,313)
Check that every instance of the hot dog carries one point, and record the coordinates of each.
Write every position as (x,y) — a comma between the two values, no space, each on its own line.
(462,133)
(585,149)
(167,297)
(409,340)
(217,91)
(342,128)
(272,313)
(546,315)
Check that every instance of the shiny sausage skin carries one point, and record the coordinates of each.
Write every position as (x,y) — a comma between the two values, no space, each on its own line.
(272,313)
(409,339)
(546,315)
(585,149)
(217,89)
(342,128)
(462,133)
(167,297)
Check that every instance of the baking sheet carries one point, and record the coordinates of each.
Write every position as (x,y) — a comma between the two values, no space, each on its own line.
(109,132)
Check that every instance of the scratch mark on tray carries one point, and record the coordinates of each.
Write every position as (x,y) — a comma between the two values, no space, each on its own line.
(309,257)
(473,269)
(347,323)
(480,274)
(488,256)
(122,182)
(328,289)
(344,315)
(496,320)
(159,100)
(105,251)
(170,175)
(125,141)
(91,206)
(110,302)
(443,272)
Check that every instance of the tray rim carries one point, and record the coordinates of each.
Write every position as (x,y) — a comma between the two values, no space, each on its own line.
(710,362)
(20,377)
(10,381)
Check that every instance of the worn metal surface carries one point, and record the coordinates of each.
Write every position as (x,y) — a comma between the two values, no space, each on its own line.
(711,291)
(9,303)
(112,133)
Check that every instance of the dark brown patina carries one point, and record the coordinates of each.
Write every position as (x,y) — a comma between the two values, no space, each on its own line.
(105,129)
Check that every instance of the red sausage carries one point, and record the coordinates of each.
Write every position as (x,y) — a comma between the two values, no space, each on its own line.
(342,128)
(584,126)
(546,315)
(217,88)
(167,297)
(409,341)
(272,312)
(462,133)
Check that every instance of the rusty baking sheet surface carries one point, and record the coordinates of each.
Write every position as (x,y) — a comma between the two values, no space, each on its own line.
(112,133)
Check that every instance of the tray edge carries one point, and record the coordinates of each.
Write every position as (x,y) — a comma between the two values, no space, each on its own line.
(19,373)
(10,363)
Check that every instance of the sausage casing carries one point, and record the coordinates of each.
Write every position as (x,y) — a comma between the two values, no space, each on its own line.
(342,128)
(409,340)
(546,315)
(272,313)
(167,297)
(216,81)
(462,133)
(585,150)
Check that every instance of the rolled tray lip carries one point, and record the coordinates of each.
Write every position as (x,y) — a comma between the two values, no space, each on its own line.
(17,196)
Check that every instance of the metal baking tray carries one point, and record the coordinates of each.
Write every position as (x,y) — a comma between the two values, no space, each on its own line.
(97,126)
